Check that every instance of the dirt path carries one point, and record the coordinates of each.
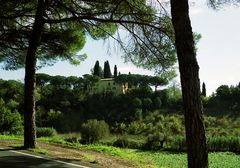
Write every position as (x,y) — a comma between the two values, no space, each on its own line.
(77,155)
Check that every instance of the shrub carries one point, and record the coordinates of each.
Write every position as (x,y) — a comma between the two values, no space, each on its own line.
(119,128)
(157,103)
(135,127)
(155,141)
(137,103)
(122,142)
(125,142)
(93,130)
(45,132)
(221,143)
(10,122)
(72,139)
(178,143)
(215,144)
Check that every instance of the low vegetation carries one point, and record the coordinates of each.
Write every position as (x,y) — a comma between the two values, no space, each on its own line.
(121,156)
(45,132)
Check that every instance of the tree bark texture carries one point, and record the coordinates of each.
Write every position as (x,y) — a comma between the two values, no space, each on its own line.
(188,66)
(30,81)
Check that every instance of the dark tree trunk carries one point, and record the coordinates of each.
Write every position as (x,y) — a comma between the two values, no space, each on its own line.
(30,81)
(188,66)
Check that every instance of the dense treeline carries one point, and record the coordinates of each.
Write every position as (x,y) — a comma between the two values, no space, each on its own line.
(226,101)
(11,104)
(65,103)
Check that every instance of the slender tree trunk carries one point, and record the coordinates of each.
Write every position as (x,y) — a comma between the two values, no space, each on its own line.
(30,81)
(188,66)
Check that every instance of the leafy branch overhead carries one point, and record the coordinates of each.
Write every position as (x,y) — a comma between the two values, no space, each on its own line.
(67,23)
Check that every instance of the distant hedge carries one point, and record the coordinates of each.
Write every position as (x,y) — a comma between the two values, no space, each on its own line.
(46,132)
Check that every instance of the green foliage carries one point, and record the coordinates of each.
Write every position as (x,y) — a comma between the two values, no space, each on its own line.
(155,141)
(102,30)
(141,80)
(97,70)
(72,139)
(147,103)
(125,141)
(115,73)
(203,93)
(178,143)
(107,70)
(122,142)
(223,91)
(226,101)
(11,90)
(45,132)
(10,121)
(215,144)
(137,103)
(140,158)
(222,143)
(157,102)
(119,128)
(135,128)
(93,130)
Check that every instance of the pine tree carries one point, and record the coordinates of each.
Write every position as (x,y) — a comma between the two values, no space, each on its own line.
(189,74)
(107,71)
(115,71)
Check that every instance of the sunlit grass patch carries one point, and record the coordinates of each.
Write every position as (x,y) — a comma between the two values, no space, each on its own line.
(89,158)
(11,137)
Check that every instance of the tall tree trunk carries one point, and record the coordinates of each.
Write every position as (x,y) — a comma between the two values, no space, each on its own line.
(30,81)
(188,66)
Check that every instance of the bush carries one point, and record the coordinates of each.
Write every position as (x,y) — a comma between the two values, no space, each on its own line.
(178,143)
(125,142)
(221,143)
(135,127)
(119,128)
(93,130)
(122,142)
(72,139)
(155,141)
(46,132)
(215,144)
(10,122)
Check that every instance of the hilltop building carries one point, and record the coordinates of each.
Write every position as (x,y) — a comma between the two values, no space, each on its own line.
(107,85)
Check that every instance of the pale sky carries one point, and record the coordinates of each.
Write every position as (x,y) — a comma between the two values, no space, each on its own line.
(218,50)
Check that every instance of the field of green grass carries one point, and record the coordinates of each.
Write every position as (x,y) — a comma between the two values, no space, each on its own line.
(165,159)
(146,159)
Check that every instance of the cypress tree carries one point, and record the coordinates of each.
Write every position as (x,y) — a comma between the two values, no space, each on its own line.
(115,71)
(107,71)
(97,70)
(204,90)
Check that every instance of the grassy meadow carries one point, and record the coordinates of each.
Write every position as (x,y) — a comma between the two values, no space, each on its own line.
(135,157)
